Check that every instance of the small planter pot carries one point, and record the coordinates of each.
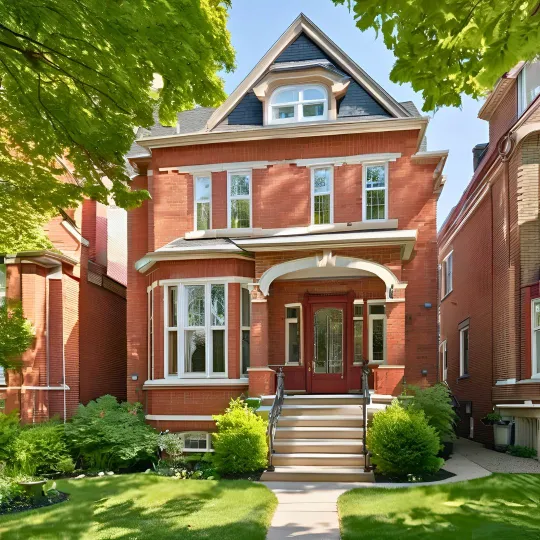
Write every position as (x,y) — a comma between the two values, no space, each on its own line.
(34,490)
(502,433)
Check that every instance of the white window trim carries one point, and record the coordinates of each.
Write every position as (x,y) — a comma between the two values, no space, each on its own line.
(181,329)
(196,201)
(372,318)
(358,303)
(151,332)
(461,350)
(534,374)
(197,450)
(298,105)
(443,359)
(313,169)
(444,277)
(365,167)
(300,322)
(242,330)
(521,84)
(247,172)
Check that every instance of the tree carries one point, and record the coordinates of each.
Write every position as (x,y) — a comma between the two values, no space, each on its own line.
(16,335)
(448,48)
(76,79)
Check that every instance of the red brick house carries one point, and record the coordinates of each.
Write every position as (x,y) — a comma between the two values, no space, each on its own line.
(489,254)
(75,297)
(293,227)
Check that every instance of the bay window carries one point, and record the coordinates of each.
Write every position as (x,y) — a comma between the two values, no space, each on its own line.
(203,198)
(293,334)
(377,332)
(196,327)
(528,85)
(239,199)
(358,329)
(536,338)
(245,328)
(375,196)
(322,195)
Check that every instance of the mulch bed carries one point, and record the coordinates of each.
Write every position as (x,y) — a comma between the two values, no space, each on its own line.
(441,475)
(253,476)
(22,505)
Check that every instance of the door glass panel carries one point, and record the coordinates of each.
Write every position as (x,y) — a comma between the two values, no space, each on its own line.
(328,337)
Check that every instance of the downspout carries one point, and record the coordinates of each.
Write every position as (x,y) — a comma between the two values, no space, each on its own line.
(63,357)
(47,338)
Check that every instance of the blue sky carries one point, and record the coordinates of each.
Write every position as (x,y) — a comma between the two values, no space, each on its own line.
(256,25)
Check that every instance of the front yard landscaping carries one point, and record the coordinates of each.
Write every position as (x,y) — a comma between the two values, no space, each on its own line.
(149,506)
(501,506)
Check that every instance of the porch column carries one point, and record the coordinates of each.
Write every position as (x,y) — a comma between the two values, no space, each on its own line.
(261,377)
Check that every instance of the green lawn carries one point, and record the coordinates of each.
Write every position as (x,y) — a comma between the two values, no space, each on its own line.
(148,506)
(499,507)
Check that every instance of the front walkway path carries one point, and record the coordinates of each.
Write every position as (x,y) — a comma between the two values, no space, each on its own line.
(308,511)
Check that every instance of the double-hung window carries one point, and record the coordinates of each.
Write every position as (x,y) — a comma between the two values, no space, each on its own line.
(443,360)
(447,274)
(245,327)
(293,334)
(2,303)
(203,202)
(464,350)
(197,330)
(528,85)
(239,199)
(375,196)
(377,332)
(358,323)
(322,195)
(536,338)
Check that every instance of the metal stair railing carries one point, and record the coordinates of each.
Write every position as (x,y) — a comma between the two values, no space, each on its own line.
(365,402)
(273,416)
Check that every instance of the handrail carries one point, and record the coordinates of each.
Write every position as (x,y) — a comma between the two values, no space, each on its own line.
(365,402)
(273,416)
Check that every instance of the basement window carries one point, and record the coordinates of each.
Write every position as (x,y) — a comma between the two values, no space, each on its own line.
(197,442)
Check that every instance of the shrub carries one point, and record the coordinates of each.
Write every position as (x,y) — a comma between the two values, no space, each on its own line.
(9,427)
(173,445)
(240,442)
(521,451)
(38,449)
(436,403)
(107,435)
(10,491)
(402,442)
(65,466)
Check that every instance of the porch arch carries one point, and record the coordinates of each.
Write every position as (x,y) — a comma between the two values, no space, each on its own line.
(327,259)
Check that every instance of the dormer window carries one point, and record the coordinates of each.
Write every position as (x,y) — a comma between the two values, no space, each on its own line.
(304,103)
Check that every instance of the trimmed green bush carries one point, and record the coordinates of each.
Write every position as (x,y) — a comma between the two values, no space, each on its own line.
(107,435)
(9,427)
(402,442)
(436,403)
(39,449)
(240,442)
(521,451)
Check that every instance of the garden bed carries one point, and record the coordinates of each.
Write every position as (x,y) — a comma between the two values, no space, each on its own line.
(22,505)
(437,477)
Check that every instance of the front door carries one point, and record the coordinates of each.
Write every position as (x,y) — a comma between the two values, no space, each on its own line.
(327,369)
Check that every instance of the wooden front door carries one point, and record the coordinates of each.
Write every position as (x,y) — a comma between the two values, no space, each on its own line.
(327,345)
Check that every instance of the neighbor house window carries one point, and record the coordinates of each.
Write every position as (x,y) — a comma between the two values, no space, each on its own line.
(375,196)
(304,103)
(239,200)
(447,274)
(464,351)
(293,333)
(196,327)
(203,198)
(3,280)
(443,360)
(197,442)
(528,85)
(245,327)
(321,195)
(358,329)
(536,338)
(151,333)
(377,332)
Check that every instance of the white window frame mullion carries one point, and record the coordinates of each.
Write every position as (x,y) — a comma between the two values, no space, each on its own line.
(535,373)
(246,172)
(331,192)
(196,201)
(365,189)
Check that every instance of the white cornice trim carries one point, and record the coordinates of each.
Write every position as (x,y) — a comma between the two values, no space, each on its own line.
(288,132)
(177,382)
(219,279)
(311,162)
(180,417)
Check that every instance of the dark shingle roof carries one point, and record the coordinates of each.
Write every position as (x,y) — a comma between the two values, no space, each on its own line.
(182,243)
(410,107)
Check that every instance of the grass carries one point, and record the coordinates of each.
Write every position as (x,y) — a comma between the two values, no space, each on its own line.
(148,506)
(501,506)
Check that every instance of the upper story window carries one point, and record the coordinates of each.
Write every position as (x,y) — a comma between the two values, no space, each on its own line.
(375,196)
(2,284)
(203,201)
(239,199)
(304,103)
(322,195)
(447,274)
(528,85)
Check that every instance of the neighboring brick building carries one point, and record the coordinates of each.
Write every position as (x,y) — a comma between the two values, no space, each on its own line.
(264,228)
(77,307)
(489,252)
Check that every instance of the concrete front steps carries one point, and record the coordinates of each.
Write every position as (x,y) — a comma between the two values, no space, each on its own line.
(319,438)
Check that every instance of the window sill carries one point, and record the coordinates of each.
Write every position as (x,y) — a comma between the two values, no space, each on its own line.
(462,377)
(447,295)
(178,382)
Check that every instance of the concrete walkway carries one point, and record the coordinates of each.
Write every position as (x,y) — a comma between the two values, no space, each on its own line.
(308,511)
